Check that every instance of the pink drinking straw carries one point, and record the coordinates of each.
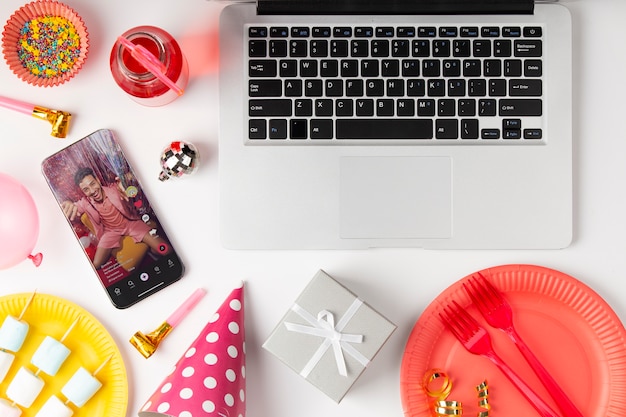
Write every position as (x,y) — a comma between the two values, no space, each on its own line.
(150,62)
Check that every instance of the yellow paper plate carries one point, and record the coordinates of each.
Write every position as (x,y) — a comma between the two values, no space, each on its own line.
(90,345)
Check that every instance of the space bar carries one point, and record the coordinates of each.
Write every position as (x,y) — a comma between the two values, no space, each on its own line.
(384,129)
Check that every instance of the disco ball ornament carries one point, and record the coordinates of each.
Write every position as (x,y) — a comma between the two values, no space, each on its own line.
(178,159)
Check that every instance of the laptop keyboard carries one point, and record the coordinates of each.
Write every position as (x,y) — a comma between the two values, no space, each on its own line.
(415,84)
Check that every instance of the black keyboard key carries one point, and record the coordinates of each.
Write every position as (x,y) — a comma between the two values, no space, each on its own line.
(278,48)
(469,129)
(385,32)
(524,87)
(520,107)
(342,32)
(364,32)
(319,48)
(298,48)
(477,87)
(293,88)
(490,32)
(410,68)
(420,48)
(313,88)
(512,67)
(279,32)
(390,68)
(502,48)
(384,129)
(380,48)
(321,32)
(472,68)
(288,68)
(490,134)
(533,133)
(257,48)
(405,108)
(384,107)
(461,48)
(334,88)
(497,87)
(374,88)
(487,107)
(427,32)
(511,31)
(467,107)
(482,48)
(365,107)
(329,68)
(339,48)
(400,48)
(354,88)
(533,68)
(300,32)
(441,48)
(359,48)
(451,68)
(303,107)
(257,129)
(533,32)
(321,129)
(262,68)
(269,108)
(265,88)
(426,107)
(528,48)
(344,108)
(431,68)
(469,32)
(406,32)
(324,107)
(308,68)
(448,31)
(257,32)
(298,129)
(277,128)
(349,68)
(446,107)
(370,68)
(415,88)
(447,129)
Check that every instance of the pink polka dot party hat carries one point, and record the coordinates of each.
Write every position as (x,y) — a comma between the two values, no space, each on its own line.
(209,379)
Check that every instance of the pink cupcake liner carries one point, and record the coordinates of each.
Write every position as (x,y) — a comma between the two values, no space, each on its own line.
(11,39)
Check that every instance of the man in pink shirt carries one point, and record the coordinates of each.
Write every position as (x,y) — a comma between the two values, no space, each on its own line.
(111,214)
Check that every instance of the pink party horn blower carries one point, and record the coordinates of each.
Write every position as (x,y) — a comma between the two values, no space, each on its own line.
(147,344)
(209,379)
(60,120)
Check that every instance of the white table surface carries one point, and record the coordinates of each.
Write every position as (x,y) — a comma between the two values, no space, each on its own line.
(398,282)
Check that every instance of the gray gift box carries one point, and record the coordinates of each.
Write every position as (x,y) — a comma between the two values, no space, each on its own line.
(329,336)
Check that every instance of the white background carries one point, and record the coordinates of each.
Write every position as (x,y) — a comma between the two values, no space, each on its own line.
(398,282)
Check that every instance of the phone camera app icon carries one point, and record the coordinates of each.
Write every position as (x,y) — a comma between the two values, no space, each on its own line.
(145,218)
(144,276)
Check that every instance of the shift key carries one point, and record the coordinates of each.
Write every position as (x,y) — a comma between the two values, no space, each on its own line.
(268,108)
(520,107)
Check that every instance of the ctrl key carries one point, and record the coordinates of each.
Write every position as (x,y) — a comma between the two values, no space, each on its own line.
(257,129)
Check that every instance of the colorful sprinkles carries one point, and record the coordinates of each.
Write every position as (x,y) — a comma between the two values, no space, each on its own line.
(48,46)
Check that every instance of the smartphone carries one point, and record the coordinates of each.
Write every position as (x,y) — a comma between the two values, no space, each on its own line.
(112,218)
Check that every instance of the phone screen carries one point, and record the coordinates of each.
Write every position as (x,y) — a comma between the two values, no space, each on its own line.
(112,218)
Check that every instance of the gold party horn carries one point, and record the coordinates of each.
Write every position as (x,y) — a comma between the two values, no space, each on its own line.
(60,120)
(147,344)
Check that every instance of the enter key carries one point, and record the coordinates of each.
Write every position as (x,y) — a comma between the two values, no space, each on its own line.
(525,88)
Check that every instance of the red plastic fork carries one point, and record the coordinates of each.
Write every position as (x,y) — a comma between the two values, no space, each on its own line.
(498,313)
(477,341)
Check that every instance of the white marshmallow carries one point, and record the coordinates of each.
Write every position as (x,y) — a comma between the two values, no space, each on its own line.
(9,410)
(12,334)
(24,388)
(81,387)
(6,360)
(54,408)
(50,355)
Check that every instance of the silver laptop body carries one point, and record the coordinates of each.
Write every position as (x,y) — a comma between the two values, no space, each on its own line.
(504,182)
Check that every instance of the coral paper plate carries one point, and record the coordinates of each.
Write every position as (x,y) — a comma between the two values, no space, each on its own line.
(570,328)
(90,345)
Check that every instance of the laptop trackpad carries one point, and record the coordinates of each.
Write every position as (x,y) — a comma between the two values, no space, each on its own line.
(395,197)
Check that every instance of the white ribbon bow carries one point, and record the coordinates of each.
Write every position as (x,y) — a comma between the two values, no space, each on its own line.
(324,326)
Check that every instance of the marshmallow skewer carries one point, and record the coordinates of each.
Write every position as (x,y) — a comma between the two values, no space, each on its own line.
(51,354)
(60,120)
(12,335)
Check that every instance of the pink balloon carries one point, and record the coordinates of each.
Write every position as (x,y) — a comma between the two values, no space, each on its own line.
(19,223)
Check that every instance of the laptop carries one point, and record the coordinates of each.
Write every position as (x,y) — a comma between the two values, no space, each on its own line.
(438,124)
